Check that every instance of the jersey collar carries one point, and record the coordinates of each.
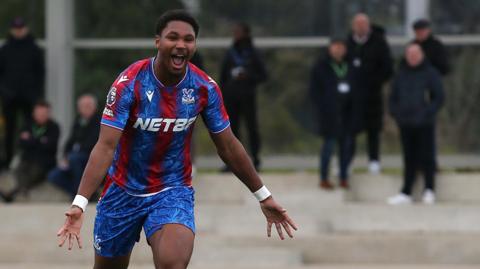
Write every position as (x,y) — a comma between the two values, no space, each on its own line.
(152,60)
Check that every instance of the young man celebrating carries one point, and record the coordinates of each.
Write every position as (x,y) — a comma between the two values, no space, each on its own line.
(144,150)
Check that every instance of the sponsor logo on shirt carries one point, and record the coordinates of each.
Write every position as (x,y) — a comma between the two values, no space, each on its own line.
(164,125)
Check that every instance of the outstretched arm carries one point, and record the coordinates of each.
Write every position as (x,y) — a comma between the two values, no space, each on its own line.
(234,155)
(100,159)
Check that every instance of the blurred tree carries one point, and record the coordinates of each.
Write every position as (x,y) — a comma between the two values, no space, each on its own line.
(126,18)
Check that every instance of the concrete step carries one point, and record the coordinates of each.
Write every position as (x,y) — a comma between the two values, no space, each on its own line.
(297,188)
(457,188)
(294,188)
(386,248)
(334,266)
(40,222)
(225,188)
(313,220)
(370,234)
(253,251)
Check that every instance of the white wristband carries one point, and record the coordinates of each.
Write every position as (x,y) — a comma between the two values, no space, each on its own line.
(262,193)
(80,201)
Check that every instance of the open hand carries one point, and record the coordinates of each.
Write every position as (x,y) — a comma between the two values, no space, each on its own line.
(71,229)
(277,215)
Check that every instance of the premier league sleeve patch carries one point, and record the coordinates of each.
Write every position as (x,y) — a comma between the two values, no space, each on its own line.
(112,96)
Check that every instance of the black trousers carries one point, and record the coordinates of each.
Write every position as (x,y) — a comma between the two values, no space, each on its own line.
(373,144)
(12,109)
(244,107)
(418,155)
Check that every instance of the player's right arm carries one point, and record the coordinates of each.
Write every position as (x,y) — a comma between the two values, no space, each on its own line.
(119,102)
(100,159)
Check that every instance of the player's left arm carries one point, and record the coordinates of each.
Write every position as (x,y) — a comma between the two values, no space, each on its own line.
(232,152)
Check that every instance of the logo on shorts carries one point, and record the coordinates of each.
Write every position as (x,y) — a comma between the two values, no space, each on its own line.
(96,243)
(187,97)
(112,96)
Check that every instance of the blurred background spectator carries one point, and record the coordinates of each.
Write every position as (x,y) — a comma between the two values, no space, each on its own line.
(433,48)
(83,136)
(369,52)
(339,102)
(242,70)
(38,148)
(417,95)
(22,74)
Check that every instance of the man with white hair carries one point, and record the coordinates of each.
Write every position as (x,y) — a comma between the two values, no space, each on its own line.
(370,54)
(83,136)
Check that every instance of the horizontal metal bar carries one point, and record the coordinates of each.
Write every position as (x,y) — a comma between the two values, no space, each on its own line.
(261,42)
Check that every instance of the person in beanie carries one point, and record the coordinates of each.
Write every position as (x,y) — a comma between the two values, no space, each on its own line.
(433,48)
(22,74)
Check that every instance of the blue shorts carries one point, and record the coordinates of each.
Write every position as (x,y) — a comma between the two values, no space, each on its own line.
(121,216)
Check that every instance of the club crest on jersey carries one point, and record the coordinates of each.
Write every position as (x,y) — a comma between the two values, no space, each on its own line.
(112,96)
(187,97)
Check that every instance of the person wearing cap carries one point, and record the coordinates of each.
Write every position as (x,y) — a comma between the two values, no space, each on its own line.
(339,101)
(22,73)
(433,48)
(369,53)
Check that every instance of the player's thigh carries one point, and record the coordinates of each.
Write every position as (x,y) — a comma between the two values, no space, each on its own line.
(120,262)
(172,246)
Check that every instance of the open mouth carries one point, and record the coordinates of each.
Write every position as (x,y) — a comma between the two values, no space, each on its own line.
(178,60)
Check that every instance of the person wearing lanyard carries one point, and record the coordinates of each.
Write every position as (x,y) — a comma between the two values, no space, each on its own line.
(337,98)
(38,145)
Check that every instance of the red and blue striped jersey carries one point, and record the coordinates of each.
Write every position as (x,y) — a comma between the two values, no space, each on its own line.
(153,152)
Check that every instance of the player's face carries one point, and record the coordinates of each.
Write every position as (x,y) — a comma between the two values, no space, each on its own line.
(176,45)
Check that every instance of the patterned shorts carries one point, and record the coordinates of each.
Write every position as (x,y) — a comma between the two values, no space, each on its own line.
(121,216)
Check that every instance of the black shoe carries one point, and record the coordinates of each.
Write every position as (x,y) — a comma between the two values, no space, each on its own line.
(7,198)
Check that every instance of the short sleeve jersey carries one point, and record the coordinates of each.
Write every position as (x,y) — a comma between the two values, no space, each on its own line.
(153,152)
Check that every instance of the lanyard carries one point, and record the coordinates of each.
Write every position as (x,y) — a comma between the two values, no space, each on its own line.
(38,131)
(340,69)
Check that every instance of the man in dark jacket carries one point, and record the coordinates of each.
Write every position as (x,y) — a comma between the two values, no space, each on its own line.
(242,70)
(21,80)
(369,52)
(83,136)
(38,145)
(417,95)
(432,47)
(338,99)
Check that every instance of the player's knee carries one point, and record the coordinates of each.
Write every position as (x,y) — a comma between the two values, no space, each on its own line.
(172,263)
